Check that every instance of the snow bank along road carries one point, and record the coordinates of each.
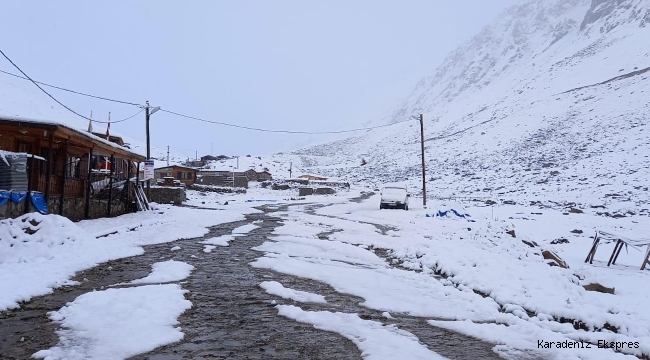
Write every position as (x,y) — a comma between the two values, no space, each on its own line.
(336,280)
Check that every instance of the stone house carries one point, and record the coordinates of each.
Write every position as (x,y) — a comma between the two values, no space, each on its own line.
(312,177)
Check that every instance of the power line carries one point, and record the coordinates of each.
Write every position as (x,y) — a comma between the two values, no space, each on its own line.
(175,113)
(53,98)
(118,121)
(283,131)
(71,91)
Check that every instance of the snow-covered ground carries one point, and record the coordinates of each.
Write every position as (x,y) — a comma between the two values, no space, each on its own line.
(39,253)
(118,323)
(466,274)
(470,275)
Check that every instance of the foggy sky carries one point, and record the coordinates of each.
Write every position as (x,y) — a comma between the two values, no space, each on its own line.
(297,65)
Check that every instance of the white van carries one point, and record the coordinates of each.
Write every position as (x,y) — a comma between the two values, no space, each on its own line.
(394,197)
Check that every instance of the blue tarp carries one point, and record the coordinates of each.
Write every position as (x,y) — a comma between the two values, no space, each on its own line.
(38,200)
(18,197)
(4,197)
(444,213)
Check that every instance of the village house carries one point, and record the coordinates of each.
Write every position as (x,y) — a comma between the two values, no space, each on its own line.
(52,168)
(186,175)
(312,177)
(264,176)
(228,177)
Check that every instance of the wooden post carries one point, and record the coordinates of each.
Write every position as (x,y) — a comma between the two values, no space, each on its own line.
(128,184)
(611,258)
(617,253)
(48,169)
(137,180)
(647,257)
(65,169)
(110,186)
(424,173)
(147,116)
(88,184)
(30,173)
(137,174)
(592,252)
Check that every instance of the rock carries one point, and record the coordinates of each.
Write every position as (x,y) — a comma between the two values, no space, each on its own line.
(509,202)
(559,241)
(555,173)
(511,233)
(550,255)
(490,202)
(575,211)
(530,243)
(599,288)
(576,231)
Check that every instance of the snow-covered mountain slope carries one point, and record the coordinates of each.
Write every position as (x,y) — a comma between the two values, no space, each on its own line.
(550,104)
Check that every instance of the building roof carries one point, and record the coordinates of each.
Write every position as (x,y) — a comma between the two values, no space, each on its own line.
(52,125)
(312,175)
(176,166)
(112,138)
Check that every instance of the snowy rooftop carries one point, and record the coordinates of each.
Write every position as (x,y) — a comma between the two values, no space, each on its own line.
(63,125)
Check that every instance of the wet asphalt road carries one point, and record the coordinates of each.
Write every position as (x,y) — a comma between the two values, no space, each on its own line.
(231,316)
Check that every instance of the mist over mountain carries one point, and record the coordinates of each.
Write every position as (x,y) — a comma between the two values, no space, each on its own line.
(549,104)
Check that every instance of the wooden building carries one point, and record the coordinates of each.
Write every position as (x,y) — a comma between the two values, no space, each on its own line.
(80,175)
(186,175)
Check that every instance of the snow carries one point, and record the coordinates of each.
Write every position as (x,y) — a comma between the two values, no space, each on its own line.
(244,229)
(118,323)
(500,125)
(506,120)
(220,240)
(42,252)
(223,240)
(208,248)
(375,340)
(35,259)
(166,271)
(275,288)
(472,276)
(175,248)
(167,224)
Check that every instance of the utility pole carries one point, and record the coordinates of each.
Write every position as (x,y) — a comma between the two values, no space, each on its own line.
(196,155)
(238,162)
(290,168)
(167,155)
(424,173)
(146,109)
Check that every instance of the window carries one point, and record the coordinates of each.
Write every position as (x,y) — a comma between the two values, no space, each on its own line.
(24,147)
(73,167)
(45,153)
(189,175)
